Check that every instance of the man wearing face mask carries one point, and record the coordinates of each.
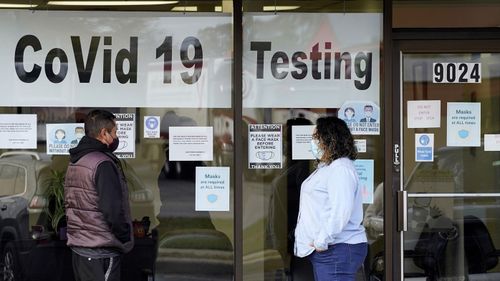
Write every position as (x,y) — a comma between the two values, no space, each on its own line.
(96,200)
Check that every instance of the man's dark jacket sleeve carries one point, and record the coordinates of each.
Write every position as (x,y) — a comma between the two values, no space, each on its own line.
(108,187)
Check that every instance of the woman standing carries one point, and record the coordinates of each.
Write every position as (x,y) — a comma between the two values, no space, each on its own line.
(329,225)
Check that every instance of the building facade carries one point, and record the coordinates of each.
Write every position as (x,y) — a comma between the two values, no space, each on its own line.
(216,102)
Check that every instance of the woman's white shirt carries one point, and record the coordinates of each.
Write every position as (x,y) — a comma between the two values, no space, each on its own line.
(331,208)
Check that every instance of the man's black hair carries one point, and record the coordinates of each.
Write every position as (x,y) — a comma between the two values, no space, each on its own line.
(98,119)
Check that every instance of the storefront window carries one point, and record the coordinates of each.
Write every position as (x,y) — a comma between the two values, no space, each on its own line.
(167,78)
(166,72)
(302,62)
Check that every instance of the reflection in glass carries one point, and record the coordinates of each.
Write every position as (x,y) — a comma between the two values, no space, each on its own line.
(173,241)
(455,168)
(192,244)
(452,238)
(271,196)
(271,202)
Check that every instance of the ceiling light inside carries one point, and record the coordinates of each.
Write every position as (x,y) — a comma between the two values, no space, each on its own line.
(110,3)
(279,8)
(5,5)
(218,8)
(185,9)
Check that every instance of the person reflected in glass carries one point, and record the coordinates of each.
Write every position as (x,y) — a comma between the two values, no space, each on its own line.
(329,225)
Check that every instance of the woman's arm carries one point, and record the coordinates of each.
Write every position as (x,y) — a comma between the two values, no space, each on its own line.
(341,186)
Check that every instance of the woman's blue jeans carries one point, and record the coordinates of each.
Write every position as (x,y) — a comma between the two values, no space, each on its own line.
(339,263)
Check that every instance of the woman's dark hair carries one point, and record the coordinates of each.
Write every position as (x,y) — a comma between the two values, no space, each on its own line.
(336,139)
(98,119)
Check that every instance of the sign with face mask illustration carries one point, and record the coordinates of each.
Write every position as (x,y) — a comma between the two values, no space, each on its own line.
(264,146)
(125,130)
(463,124)
(362,117)
(212,189)
(61,137)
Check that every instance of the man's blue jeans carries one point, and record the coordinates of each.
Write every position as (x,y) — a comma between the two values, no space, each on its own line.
(339,263)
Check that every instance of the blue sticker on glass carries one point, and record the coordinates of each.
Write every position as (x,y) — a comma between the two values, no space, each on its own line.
(151,123)
(424,140)
(463,134)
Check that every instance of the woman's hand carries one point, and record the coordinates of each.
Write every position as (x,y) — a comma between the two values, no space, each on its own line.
(319,250)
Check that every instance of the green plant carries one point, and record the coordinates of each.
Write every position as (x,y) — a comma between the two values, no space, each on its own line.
(55,197)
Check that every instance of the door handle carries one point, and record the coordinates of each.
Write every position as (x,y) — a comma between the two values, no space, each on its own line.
(4,207)
(402,210)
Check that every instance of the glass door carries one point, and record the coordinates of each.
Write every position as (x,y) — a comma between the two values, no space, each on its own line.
(450,174)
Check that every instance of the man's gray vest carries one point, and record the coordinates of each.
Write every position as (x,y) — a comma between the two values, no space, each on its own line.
(86,224)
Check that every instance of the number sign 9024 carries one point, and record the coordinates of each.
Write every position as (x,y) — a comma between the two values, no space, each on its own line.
(462,72)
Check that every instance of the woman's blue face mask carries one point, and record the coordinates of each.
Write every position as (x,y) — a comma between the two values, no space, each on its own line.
(315,149)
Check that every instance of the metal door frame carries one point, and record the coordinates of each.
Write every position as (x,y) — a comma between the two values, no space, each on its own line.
(415,41)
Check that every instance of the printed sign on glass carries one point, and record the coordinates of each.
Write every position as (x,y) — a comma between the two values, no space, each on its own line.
(151,127)
(61,137)
(326,60)
(360,145)
(491,142)
(212,189)
(18,131)
(362,117)
(424,147)
(464,124)
(125,124)
(301,142)
(190,143)
(365,169)
(264,146)
(102,59)
(424,114)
